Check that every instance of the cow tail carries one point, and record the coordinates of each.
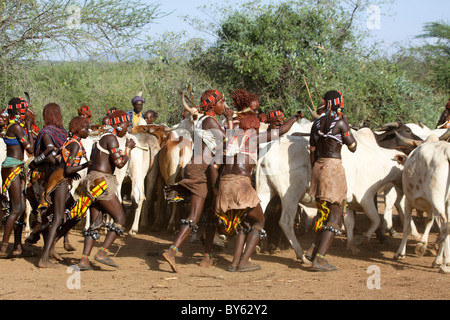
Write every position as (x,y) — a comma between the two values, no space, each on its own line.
(447,153)
(257,178)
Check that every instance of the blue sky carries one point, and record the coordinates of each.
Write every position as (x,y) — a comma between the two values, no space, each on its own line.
(407,17)
(400,22)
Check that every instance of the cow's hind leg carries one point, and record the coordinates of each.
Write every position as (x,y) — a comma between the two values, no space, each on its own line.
(286,223)
(406,232)
(372,213)
(349,223)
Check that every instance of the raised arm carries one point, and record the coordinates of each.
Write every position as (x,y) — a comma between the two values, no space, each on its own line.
(29,127)
(283,129)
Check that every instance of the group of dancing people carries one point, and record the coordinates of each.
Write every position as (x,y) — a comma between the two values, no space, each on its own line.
(217,180)
(56,162)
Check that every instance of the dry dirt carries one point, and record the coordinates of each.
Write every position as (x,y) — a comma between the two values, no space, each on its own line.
(144,275)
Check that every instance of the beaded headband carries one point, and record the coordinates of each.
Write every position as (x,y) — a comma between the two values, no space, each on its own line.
(84,108)
(211,98)
(117,120)
(21,108)
(111,111)
(22,105)
(337,101)
(276,114)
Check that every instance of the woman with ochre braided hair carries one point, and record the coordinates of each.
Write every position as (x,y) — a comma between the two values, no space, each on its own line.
(48,142)
(237,204)
(246,103)
(328,182)
(57,190)
(13,197)
(200,175)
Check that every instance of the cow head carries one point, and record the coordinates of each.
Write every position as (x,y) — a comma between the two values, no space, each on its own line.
(159,131)
(396,135)
(432,138)
(193,114)
(445,136)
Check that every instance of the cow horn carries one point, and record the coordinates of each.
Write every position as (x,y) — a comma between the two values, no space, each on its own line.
(28,98)
(391,125)
(409,142)
(185,105)
(228,107)
(244,111)
(387,126)
(445,136)
(313,113)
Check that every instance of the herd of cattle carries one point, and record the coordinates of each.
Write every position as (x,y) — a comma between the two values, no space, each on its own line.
(409,164)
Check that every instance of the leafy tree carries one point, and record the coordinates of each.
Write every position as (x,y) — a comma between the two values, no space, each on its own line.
(276,50)
(56,29)
(437,52)
(32,27)
(273,49)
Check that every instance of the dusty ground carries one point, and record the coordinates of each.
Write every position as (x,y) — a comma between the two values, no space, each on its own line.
(143,274)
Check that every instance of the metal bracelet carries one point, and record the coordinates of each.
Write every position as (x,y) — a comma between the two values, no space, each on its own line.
(190,224)
(117,228)
(332,229)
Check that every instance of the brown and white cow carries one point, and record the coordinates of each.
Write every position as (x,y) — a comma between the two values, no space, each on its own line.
(175,153)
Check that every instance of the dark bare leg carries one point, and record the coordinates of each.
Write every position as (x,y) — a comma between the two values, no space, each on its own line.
(253,237)
(96,217)
(58,218)
(210,232)
(197,204)
(327,238)
(238,249)
(17,210)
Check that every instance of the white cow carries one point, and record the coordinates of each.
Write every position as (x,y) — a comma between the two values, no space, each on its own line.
(424,132)
(285,170)
(425,178)
(393,196)
(143,171)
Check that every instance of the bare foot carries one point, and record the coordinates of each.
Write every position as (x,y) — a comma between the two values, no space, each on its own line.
(55,255)
(169,256)
(47,264)
(68,247)
(207,261)
(21,252)
(4,255)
